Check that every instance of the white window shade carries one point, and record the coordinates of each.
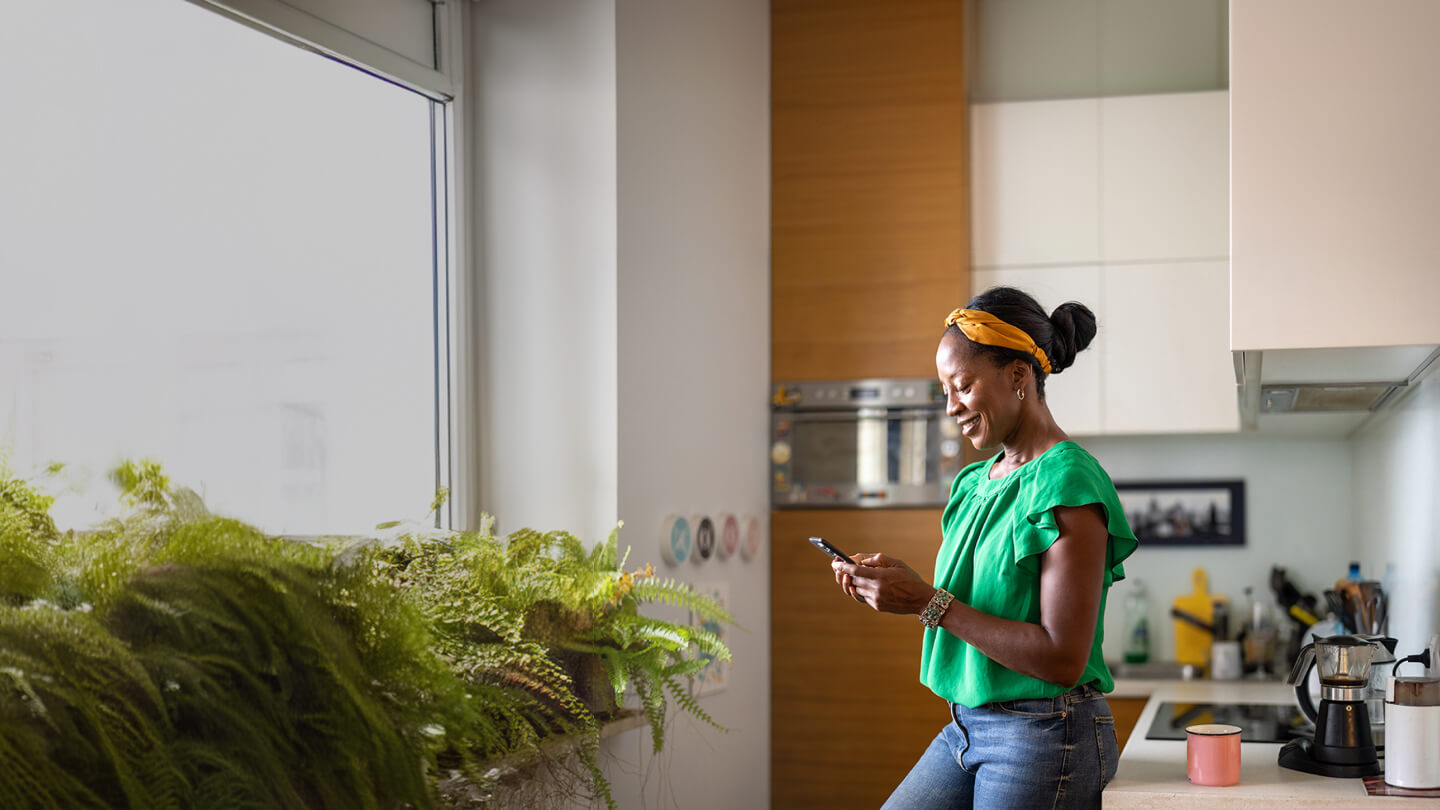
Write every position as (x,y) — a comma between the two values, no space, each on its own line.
(405,41)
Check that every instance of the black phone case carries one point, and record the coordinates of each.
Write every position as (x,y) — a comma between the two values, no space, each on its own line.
(824,545)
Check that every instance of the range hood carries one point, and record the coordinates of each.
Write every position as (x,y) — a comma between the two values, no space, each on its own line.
(1351,383)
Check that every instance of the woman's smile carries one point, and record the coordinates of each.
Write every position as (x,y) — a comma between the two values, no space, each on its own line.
(969,424)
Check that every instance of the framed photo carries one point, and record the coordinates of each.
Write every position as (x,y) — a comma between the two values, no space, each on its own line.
(1185,513)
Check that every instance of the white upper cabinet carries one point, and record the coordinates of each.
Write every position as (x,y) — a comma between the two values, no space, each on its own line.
(1167,360)
(1133,178)
(1122,204)
(1165,177)
(1035,172)
(1336,181)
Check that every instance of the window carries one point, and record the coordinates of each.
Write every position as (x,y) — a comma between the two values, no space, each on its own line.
(225,253)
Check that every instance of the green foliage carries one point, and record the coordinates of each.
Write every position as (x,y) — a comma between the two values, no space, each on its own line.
(509,613)
(173,659)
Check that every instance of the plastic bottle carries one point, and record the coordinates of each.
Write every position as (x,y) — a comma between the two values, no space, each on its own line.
(1354,574)
(1137,624)
(1328,626)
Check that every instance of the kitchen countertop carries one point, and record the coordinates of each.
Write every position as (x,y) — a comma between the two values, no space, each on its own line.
(1152,772)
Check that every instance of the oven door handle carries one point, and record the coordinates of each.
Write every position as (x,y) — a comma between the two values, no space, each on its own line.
(862,414)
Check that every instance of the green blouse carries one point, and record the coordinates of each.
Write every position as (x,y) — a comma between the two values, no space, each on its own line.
(994,534)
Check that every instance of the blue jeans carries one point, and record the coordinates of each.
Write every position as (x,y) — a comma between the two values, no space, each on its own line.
(1046,752)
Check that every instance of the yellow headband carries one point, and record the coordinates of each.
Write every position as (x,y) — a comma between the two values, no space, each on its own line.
(984,328)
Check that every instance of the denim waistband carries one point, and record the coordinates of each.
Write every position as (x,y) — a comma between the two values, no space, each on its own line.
(1058,703)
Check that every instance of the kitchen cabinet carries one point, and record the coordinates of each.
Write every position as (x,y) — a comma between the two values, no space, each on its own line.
(870,243)
(1036,174)
(1101,180)
(1137,229)
(845,692)
(1167,367)
(1126,711)
(1165,177)
(870,250)
(1336,187)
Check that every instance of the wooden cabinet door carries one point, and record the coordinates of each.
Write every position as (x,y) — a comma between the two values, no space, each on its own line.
(869,218)
(848,715)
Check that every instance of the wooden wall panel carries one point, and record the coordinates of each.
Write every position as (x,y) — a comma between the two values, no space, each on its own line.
(869,211)
(848,713)
(870,249)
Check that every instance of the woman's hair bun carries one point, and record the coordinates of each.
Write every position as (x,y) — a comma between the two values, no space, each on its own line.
(1074,326)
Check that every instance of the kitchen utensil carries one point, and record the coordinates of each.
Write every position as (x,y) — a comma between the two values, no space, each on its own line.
(1296,604)
(1373,608)
(1192,639)
(1212,754)
(1412,748)
(1337,606)
(1342,744)
(1225,661)
(1355,597)
(1193,621)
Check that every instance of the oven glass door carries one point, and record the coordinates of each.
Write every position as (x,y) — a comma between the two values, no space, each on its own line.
(866,457)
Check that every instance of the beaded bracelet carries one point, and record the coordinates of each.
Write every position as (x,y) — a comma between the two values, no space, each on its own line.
(939,603)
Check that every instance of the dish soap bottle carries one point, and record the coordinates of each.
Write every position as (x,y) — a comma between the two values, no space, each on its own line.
(1137,624)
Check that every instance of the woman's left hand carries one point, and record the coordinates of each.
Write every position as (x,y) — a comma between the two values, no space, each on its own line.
(884,583)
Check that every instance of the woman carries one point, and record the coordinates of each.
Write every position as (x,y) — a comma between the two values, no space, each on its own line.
(1032,540)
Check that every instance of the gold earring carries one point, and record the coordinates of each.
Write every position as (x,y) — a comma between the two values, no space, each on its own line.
(1020,394)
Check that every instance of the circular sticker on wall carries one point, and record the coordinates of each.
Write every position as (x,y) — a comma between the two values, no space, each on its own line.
(750,537)
(729,542)
(675,539)
(704,538)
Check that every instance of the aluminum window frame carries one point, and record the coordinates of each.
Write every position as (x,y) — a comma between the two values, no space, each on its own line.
(456,406)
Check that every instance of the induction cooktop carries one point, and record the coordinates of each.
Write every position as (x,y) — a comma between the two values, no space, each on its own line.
(1258,722)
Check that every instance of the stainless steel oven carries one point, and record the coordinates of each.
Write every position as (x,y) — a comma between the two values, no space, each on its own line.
(879,442)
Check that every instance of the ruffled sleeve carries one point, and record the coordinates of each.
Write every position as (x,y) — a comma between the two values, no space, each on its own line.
(1071,478)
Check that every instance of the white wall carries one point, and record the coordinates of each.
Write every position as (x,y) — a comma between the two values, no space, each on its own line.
(543,101)
(1397,496)
(624,193)
(694,327)
(1298,515)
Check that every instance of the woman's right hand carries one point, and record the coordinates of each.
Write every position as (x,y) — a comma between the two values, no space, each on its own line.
(883,582)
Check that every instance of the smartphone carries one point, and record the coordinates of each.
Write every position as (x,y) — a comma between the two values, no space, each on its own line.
(835,553)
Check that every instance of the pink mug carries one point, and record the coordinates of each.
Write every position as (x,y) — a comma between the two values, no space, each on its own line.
(1212,754)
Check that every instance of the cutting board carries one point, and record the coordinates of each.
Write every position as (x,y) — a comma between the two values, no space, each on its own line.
(1192,644)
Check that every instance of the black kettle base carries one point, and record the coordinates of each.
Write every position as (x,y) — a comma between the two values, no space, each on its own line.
(1296,756)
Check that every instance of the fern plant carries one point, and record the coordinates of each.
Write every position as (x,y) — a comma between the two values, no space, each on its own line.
(510,612)
(170,658)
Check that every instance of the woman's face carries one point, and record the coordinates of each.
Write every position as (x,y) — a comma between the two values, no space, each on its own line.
(978,394)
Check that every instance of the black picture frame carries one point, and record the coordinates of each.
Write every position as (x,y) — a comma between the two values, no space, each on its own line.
(1185,513)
